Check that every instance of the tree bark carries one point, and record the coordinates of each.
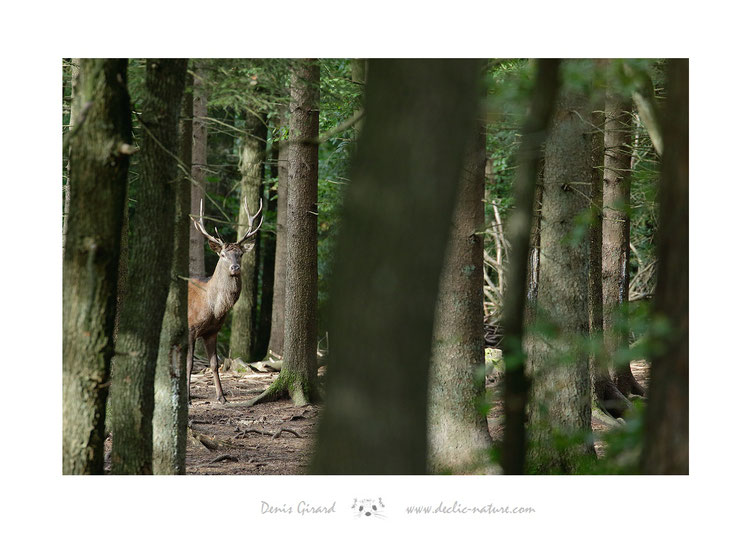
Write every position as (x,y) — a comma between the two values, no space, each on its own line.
(170,423)
(560,402)
(521,221)
(606,395)
(74,111)
(396,220)
(616,190)
(459,441)
(196,266)
(268,243)
(150,258)
(252,156)
(277,334)
(298,377)
(666,449)
(99,167)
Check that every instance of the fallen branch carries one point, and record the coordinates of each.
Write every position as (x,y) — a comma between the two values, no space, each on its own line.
(221,458)
(274,435)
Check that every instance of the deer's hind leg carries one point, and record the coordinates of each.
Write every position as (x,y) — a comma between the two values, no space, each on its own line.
(211,349)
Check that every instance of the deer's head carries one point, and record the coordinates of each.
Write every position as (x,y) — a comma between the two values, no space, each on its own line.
(230,254)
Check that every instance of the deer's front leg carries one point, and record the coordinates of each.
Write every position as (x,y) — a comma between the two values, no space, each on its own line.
(211,349)
(189,364)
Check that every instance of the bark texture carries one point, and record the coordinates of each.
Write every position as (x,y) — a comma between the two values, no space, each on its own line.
(277,334)
(396,220)
(560,404)
(170,422)
(521,222)
(149,264)
(606,395)
(252,156)
(616,187)
(196,266)
(268,244)
(99,167)
(75,108)
(459,441)
(298,375)
(666,448)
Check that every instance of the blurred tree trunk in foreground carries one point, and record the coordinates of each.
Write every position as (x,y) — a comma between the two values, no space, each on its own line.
(519,277)
(99,167)
(149,264)
(666,449)
(396,221)
(170,422)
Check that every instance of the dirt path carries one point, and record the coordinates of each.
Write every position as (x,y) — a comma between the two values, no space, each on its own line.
(273,438)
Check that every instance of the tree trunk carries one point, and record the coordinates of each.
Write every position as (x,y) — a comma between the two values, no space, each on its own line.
(170,421)
(150,259)
(99,167)
(395,224)
(252,156)
(666,448)
(521,221)
(560,403)
(606,395)
(298,377)
(616,176)
(196,267)
(74,111)
(268,243)
(458,440)
(277,334)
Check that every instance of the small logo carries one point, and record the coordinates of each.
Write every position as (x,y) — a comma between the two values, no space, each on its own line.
(369,508)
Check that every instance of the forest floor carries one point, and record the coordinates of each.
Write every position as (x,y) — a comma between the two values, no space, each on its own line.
(275,438)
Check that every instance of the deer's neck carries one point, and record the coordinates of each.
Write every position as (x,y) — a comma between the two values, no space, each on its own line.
(222,290)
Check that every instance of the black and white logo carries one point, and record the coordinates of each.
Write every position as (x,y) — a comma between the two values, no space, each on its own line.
(369,508)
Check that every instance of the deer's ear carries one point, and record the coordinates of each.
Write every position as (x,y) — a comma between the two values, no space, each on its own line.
(247,247)
(216,248)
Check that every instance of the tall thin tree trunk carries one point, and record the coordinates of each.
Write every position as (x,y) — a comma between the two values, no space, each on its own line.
(606,395)
(277,334)
(396,221)
(170,421)
(196,266)
(459,441)
(666,449)
(99,166)
(252,156)
(617,177)
(560,403)
(521,222)
(150,259)
(268,244)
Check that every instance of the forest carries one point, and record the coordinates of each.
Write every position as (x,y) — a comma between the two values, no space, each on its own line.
(375,266)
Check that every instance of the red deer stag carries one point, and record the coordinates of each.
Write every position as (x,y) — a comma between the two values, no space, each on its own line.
(210,299)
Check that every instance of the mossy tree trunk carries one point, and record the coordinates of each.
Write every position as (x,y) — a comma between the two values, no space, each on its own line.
(560,402)
(170,422)
(666,449)
(459,441)
(99,167)
(252,156)
(149,264)
(277,333)
(396,221)
(522,277)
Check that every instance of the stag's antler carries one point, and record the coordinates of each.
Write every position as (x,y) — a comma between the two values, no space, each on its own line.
(251,232)
(200,226)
